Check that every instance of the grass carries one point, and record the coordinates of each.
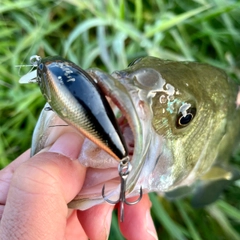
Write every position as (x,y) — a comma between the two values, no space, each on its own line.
(109,35)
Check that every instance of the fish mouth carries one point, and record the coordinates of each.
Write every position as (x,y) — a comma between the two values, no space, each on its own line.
(127,134)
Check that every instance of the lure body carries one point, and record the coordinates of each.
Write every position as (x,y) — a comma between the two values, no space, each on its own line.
(79,101)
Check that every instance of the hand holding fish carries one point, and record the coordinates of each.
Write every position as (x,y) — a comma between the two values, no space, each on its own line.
(178,125)
(35,193)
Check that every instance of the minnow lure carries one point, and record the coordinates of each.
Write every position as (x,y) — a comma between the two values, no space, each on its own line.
(79,101)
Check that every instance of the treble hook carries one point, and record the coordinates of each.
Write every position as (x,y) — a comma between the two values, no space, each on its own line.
(124,169)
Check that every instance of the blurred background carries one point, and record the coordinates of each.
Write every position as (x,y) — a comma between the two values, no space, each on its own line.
(109,35)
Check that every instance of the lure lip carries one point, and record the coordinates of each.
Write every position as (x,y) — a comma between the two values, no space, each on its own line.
(30,77)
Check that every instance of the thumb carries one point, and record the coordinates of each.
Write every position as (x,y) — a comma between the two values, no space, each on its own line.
(40,189)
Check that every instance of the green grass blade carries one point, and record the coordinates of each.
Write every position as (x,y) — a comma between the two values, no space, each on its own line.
(165,220)
(222,220)
(190,225)
(174,20)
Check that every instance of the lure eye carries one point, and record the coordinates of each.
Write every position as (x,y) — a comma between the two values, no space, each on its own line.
(183,121)
(40,66)
(137,60)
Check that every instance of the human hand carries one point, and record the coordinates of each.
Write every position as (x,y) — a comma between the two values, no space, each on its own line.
(34,194)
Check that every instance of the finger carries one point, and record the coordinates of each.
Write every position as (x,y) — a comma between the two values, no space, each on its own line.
(6,176)
(96,221)
(137,222)
(40,189)
(74,230)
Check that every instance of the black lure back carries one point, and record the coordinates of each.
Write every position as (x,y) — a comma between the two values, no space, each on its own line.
(78,100)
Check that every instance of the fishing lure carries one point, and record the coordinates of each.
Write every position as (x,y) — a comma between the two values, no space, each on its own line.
(79,101)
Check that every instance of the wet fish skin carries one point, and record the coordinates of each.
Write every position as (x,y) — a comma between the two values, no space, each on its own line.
(77,99)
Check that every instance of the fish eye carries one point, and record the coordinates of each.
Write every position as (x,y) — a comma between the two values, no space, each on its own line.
(134,61)
(183,121)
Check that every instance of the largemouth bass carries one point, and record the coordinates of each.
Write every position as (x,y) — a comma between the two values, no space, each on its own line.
(180,124)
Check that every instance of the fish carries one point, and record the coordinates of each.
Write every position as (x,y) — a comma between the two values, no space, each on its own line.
(178,120)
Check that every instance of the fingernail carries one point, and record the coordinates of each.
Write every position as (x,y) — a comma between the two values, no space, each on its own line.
(69,144)
(150,226)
